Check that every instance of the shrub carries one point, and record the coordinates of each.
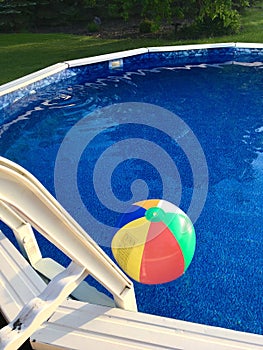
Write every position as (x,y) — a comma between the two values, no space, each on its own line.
(16,15)
(93,27)
(218,18)
(148,26)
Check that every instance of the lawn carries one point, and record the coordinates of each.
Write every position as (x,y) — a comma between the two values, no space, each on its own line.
(25,53)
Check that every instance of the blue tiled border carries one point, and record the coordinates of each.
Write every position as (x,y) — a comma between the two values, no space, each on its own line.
(26,95)
(248,54)
(12,94)
(186,57)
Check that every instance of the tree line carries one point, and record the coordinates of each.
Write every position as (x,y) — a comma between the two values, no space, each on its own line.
(209,17)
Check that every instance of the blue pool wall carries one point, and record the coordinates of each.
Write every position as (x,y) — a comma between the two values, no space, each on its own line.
(20,93)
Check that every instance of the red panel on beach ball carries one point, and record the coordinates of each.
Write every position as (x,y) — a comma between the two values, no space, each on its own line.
(162,259)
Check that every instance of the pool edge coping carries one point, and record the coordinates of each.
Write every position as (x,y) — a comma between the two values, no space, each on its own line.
(61,66)
(32,78)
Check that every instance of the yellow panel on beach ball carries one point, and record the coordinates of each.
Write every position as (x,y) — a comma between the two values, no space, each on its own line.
(128,245)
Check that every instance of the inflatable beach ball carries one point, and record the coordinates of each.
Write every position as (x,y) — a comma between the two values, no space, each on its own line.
(155,243)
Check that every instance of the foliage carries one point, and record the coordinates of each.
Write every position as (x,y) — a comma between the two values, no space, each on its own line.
(15,15)
(211,17)
(93,27)
(18,15)
(148,26)
(157,10)
(218,17)
(124,8)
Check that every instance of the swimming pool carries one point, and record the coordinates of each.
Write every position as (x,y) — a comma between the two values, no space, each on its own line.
(72,126)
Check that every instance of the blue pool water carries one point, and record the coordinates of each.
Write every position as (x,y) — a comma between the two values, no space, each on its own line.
(223,106)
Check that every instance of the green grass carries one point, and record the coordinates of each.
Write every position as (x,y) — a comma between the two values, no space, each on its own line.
(22,54)
(252,20)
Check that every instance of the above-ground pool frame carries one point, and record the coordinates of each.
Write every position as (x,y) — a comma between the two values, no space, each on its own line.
(104,65)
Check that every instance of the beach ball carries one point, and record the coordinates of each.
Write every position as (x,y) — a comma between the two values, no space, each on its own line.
(155,242)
